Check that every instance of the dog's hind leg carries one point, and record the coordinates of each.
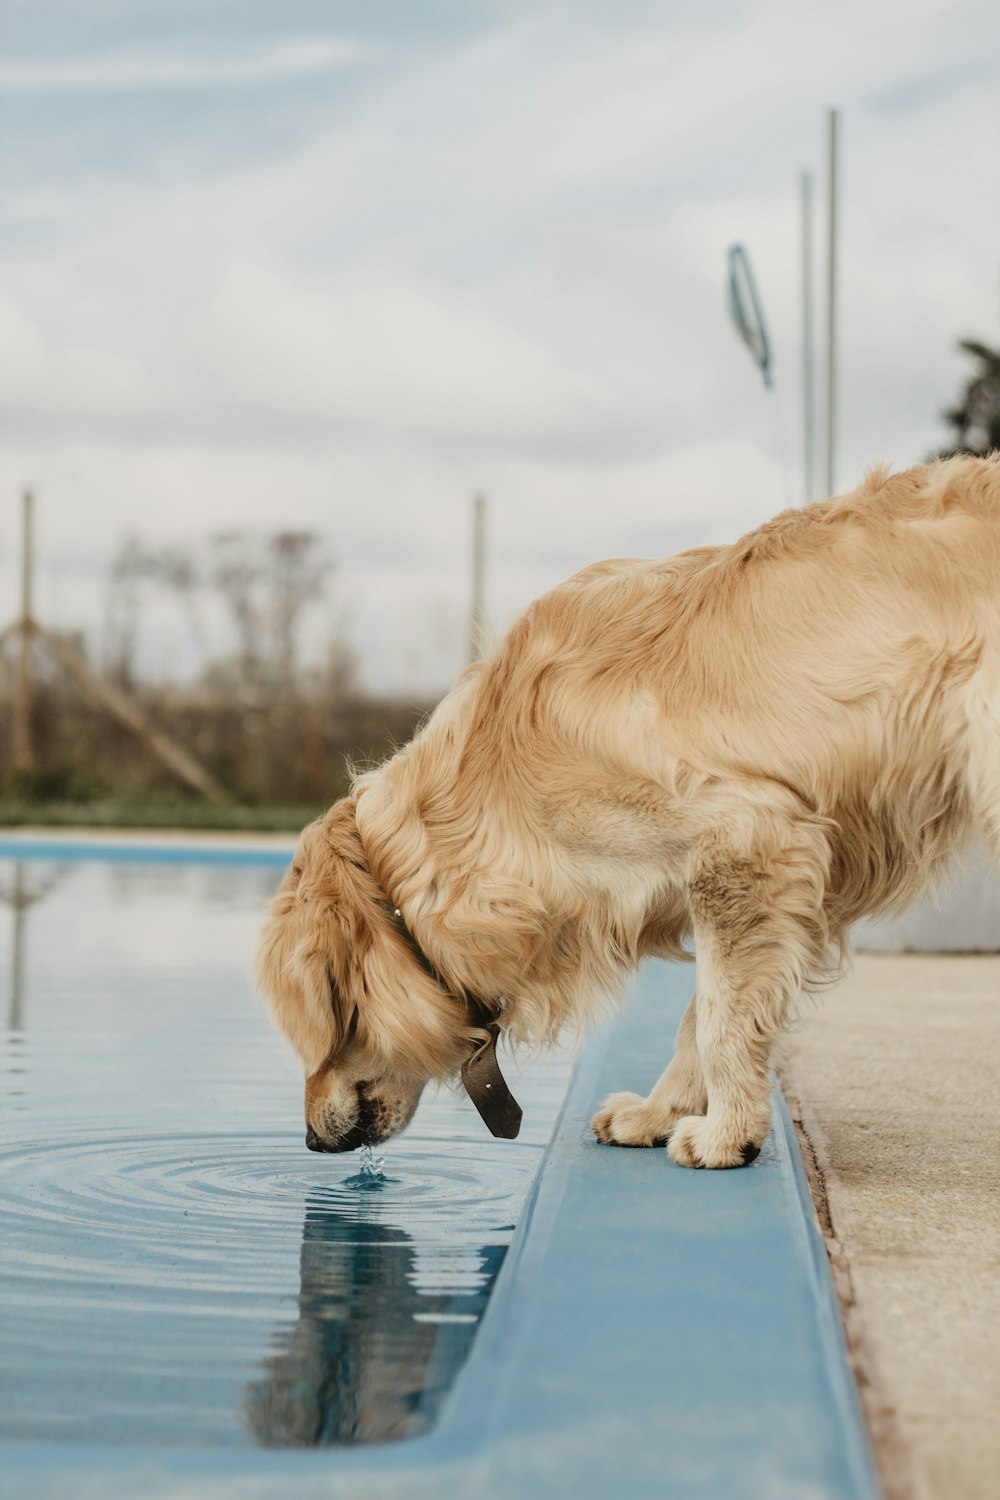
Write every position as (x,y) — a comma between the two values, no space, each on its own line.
(756,895)
(631,1120)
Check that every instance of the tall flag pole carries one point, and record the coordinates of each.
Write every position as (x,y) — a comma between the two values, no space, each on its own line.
(808,351)
(833,124)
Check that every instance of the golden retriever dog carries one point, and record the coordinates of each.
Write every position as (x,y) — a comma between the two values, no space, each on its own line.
(746,747)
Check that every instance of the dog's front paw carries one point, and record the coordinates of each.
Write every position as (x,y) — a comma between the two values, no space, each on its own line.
(628,1120)
(700,1141)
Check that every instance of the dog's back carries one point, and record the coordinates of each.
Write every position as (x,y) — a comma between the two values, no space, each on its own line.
(850,649)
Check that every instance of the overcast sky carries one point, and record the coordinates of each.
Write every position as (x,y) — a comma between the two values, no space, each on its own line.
(338,266)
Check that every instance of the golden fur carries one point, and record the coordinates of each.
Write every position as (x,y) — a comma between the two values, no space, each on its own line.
(749,746)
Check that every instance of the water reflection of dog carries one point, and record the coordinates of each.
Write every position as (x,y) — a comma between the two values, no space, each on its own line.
(371,1356)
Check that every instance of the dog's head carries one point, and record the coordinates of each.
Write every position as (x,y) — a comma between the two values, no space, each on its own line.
(370,1023)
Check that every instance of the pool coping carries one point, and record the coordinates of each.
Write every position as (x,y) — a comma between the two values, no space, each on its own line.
(180,847)
(653,1331)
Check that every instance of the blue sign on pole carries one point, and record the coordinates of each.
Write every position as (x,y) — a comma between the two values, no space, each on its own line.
(746,310)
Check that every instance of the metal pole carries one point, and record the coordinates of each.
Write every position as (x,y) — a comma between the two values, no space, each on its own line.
(477,616)
(808,352)
(24,755)
(833,120)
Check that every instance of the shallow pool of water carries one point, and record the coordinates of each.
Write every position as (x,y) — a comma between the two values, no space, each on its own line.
(176,1267)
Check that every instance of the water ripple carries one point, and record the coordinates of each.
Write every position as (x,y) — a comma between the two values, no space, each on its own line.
(177,1266)
(185,1186)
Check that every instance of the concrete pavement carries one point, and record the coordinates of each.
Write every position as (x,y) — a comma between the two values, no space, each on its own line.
(894,1082)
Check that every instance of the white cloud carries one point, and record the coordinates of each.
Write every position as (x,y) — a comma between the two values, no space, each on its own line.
(392,356)
(74,380)
(193,65)
(675,92)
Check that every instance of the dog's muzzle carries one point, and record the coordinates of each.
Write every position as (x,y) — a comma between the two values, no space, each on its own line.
(361,1133)
(357,1136)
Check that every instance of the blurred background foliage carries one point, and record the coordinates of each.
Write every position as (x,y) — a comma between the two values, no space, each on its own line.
(276,735)
(975,419)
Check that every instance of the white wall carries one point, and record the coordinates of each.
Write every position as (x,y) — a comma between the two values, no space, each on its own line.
(963,917)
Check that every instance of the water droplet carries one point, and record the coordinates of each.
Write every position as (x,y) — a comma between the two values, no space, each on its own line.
(371,1165)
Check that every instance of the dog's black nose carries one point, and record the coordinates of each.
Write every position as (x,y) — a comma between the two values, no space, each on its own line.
(313,1141)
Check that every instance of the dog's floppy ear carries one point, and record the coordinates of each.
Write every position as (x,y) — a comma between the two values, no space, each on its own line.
(332,961)
(407,1020)
(293,969)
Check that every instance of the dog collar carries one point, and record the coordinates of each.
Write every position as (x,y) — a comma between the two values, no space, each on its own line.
(481,1076)
(487,1088)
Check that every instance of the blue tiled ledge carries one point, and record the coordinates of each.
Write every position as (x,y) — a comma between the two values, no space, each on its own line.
(653,1332)
(146,848)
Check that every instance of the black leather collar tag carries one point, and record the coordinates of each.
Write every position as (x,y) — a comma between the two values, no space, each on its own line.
(487,1088)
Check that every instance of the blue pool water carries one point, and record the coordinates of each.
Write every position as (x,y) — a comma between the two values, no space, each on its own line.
(176,1267)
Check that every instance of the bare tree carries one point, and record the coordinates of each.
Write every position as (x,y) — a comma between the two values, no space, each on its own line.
(337,677)
(123,607)
(299,568)
(135,568)
(237,570)
(266,583)
(177,571)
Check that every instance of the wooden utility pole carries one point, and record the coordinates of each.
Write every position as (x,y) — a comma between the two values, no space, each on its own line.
(24,754)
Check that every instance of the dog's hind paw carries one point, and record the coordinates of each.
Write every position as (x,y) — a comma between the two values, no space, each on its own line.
(698,1141)
(628,1120)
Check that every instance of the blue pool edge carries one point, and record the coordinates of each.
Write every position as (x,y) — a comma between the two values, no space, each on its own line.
(149,848)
